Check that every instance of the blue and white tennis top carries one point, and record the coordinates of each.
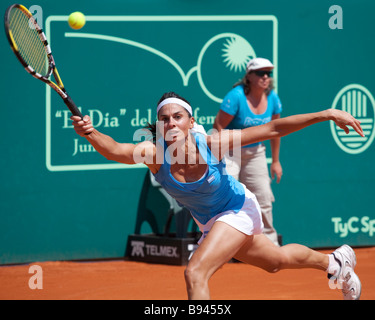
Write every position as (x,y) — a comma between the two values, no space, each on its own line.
(235,104)
(214,193)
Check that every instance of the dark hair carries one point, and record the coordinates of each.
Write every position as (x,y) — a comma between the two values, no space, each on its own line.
(152,126)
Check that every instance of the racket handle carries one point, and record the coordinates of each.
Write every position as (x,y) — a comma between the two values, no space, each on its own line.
(73,108)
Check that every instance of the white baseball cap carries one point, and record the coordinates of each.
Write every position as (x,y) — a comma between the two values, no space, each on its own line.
(258,63)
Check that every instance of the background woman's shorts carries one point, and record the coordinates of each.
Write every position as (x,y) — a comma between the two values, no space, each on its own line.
(248,219)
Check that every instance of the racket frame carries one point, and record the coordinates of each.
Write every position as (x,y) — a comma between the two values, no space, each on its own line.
(58,86)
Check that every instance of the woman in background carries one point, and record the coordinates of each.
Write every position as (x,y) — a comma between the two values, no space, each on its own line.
(250,103)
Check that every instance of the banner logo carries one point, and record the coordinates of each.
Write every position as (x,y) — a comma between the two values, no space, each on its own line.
(140,248)
(359,102)
(202,66)
(354,224)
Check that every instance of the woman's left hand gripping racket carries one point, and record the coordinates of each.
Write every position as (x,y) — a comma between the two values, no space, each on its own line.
(30,46)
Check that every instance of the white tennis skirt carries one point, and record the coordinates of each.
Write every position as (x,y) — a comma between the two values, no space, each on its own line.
(247,220)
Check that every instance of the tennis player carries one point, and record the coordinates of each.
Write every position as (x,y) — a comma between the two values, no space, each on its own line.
(188,164)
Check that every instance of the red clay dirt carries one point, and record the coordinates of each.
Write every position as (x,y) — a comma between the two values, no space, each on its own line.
(127,280)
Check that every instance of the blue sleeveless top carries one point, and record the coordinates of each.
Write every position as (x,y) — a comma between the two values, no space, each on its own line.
(214,193)
(235,104)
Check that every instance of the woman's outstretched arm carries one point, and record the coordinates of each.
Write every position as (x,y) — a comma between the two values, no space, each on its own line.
(226,140)
(284,126)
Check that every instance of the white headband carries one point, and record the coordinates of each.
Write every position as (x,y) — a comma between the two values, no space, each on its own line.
(177,101)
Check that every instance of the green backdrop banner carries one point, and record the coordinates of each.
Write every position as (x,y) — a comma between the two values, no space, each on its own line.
(61,200)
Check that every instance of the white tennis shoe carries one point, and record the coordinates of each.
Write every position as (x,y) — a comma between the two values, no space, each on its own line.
(347,280)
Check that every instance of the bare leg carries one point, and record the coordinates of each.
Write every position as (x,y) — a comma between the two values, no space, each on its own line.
(223,242)
(261,252)
(216,249)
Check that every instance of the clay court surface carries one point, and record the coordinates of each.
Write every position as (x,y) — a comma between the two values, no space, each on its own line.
(127,280)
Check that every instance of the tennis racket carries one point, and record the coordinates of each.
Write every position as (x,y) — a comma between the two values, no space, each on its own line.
(30,46)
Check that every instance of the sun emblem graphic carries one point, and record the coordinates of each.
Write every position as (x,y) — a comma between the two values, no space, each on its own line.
(237,53)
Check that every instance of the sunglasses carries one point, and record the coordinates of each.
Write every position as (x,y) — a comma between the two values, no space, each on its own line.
(261,73)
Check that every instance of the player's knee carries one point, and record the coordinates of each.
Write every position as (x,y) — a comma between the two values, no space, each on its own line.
(190,275)
(193,275)
(273,268)
(277,263)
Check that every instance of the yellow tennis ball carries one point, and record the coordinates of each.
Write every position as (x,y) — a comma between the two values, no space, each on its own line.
(76,20)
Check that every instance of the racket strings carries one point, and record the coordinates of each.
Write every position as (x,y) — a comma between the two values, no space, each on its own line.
(24,37)
(28,40)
